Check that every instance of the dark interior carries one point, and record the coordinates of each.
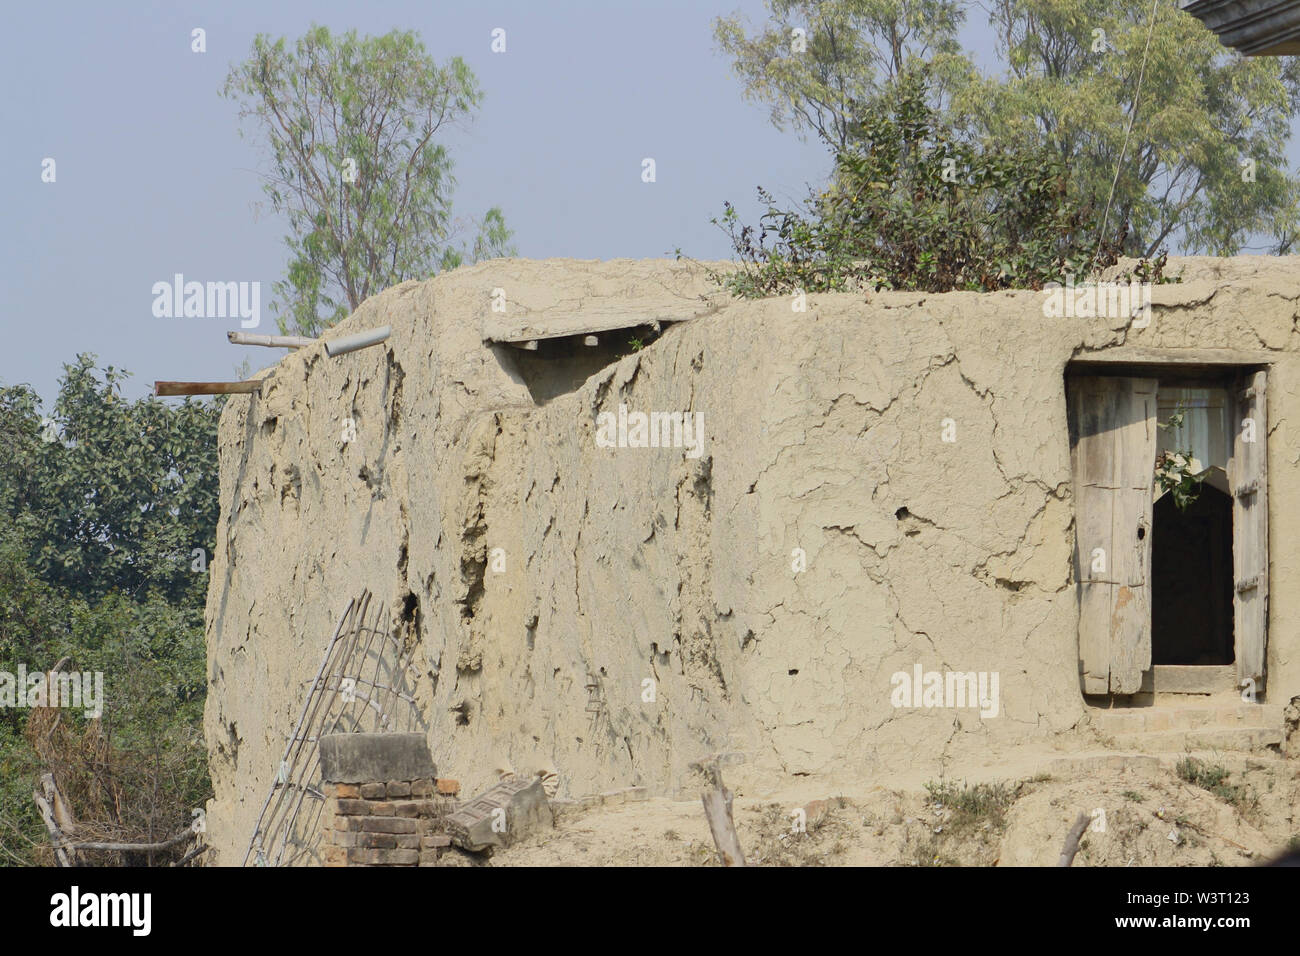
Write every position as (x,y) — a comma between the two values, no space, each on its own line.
(1191,570)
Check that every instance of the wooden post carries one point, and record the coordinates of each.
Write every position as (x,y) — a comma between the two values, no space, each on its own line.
(717,810)
(206,388)
(1072,840)
(51,807)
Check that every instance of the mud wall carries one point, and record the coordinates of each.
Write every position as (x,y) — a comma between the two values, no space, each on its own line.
(647,606)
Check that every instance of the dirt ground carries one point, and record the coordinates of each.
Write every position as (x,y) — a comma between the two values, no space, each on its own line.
(1147,813)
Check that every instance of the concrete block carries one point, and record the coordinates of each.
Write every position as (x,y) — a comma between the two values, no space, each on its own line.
(508,812)
(368,758)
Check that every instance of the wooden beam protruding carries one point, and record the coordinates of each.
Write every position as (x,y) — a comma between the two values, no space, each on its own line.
(162,389)
(270,341)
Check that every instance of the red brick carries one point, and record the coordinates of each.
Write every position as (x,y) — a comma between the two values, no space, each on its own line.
(398,788)
(351,808)
(435,840)
(389,825)
(398,857)
(407,841)
(373,791)
(422,788)
(377,841)
(448,787)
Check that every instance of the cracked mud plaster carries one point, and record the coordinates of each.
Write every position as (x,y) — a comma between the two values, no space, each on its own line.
(823,432)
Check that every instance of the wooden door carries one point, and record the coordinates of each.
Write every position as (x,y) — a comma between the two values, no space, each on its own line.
(1113,423)
(1248,475)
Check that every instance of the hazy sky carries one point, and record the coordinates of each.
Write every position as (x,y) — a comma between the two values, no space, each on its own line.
(153,177)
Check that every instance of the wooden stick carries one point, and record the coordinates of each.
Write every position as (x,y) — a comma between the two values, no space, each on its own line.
(61,855)
(206,388)
(1072,840)
(270,341)
(129,847)
(191,855)
(717,810)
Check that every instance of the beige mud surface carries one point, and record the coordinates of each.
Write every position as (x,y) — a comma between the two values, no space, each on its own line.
(1152,818)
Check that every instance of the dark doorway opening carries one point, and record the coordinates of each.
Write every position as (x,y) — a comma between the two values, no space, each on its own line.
(1191,572)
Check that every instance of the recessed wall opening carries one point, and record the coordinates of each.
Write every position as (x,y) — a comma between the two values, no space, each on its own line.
(1191,580)
(555,366)
(1170,573)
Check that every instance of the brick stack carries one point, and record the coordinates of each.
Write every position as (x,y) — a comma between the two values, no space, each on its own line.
(396,823)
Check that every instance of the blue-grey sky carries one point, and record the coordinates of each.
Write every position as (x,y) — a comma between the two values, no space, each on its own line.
(153,178)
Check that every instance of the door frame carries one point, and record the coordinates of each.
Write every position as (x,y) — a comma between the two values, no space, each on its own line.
(1113,627)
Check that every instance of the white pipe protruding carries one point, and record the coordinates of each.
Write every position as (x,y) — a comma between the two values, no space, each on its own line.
(270,341)
(350,343)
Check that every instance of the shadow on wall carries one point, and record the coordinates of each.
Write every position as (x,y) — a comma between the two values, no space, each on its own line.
(559,366)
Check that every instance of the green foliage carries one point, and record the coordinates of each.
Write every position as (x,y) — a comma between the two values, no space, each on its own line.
(122,495)
(100,506)
(912,205)
(855,49)
(1201,113)
(1179,472)
(351,123)
(1203,168)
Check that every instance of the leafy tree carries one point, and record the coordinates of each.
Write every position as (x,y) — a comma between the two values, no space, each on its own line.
(113,495)
(352,124)
(100,505)
(854,50)
(1204,164)
(1071,86)
(912,205)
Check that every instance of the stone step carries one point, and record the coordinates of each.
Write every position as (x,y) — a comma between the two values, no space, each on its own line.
(1223,715)
(1241,739)
(1186,679)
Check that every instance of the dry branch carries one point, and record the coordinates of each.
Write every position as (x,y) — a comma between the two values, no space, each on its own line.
(1072,840)
(717,810)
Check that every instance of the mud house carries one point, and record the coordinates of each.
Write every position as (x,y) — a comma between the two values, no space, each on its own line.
(959,488)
